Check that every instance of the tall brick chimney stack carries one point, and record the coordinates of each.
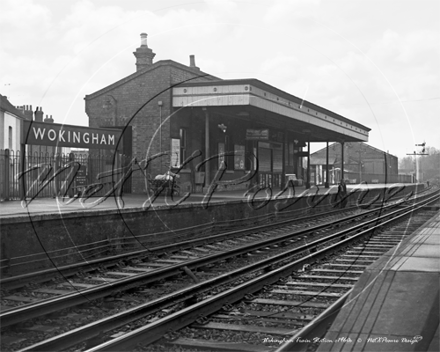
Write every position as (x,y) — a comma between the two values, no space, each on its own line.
(39,114)
(27,112)
(144,55)
(192,62)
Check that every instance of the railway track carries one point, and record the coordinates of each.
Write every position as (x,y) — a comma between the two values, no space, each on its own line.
(139,269)
(287,297)
(153,310)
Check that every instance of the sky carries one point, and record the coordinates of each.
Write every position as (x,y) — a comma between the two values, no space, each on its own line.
(374,62)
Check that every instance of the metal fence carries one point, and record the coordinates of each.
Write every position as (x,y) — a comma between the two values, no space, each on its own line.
(50,175)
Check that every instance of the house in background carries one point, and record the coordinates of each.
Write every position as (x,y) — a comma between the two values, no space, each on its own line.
(11,126)
(11,122)
(37,116)
(362,163)
(12,160)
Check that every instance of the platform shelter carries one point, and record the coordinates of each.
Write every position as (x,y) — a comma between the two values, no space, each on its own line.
(245,117)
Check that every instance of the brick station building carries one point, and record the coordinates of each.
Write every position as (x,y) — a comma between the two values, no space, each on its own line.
(179,109)
(362,163)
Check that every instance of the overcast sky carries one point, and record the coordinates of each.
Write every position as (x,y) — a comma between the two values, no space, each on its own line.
(375,62)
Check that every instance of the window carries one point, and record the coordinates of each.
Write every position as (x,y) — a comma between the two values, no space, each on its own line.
(10,138)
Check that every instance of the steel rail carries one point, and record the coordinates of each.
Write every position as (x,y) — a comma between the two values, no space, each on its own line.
(93,329)
(155,330)
(315,329)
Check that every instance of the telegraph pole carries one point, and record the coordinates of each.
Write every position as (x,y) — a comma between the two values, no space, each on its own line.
(415,156)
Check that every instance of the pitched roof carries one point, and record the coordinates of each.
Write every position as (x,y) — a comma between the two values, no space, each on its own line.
(5,105)
(146,70)
(339,146)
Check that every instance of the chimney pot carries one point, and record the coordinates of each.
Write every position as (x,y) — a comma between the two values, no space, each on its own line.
(144,55)
(39,114)
(48,120)
(28,113)
(144,39)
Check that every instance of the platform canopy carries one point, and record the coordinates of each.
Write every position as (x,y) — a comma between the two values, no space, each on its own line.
(256,101)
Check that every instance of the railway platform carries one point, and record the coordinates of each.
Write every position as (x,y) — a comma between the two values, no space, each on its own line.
(47,206)
(49,224)
(395,304)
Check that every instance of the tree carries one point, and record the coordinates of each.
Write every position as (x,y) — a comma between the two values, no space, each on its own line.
(406,163)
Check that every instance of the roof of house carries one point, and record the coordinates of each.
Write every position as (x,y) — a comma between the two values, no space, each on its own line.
(5,105)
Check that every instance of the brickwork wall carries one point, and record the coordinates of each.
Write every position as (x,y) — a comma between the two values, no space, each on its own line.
(118,106)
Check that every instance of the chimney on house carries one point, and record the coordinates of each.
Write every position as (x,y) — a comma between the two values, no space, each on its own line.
(48,119)
(192,62)
(144,55)
(27,112)
(39,114)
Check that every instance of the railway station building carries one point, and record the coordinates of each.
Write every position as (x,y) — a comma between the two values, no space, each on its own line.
(236,126)
(362,163)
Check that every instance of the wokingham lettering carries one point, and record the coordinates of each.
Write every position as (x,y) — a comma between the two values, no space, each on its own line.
(96,138)
(54,134)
